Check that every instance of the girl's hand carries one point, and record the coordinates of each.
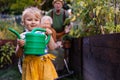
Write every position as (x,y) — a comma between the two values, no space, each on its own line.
(48,31)
(20,42)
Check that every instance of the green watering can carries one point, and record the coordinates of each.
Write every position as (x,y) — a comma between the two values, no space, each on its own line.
(35,42)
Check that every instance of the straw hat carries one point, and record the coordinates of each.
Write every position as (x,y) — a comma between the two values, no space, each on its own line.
(54,1)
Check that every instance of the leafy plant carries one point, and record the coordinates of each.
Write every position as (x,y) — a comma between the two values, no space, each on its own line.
(90,15)
(7,51)
(5,33)
(67,37)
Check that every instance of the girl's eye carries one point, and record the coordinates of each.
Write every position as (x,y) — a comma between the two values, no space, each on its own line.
(29,19)
(36,19)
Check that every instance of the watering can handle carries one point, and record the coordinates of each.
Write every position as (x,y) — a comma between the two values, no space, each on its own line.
(48,39)
(38,29)
(15,32)
(43,30)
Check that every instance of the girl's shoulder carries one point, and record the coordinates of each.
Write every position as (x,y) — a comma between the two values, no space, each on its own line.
(22,35)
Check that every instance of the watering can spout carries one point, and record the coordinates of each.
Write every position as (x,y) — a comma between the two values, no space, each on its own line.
(15,32)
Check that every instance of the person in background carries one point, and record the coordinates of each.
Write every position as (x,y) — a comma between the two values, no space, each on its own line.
(46,22)
(59,15)
(36,67)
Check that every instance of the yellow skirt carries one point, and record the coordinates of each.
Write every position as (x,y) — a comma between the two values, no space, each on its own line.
(39,68)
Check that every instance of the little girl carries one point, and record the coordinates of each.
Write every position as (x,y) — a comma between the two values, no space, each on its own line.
(36,67)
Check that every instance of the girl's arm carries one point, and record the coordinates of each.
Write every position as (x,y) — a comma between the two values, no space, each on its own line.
(19,49)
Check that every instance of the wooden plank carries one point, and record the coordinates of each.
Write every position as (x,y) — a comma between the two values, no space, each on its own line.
(101,57)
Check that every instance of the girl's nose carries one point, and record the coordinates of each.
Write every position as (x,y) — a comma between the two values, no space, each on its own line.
(33,21)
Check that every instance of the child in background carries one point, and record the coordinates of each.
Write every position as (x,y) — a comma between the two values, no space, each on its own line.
(36,67)
(46,22)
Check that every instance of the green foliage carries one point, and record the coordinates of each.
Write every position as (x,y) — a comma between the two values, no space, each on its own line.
(67,37)
(5,33)
(19,5)
(47,5)
(5,5)
(7,51)
(90,16)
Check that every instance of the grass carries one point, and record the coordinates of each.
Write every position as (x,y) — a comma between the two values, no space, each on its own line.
(12,73)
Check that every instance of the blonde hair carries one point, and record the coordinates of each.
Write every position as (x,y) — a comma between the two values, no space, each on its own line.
(44,18)
(31,10)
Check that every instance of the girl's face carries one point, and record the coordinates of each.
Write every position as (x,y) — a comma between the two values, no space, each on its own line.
(46,24)
(31,21)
